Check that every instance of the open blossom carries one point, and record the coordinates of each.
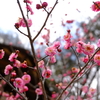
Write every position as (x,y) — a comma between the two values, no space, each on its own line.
(50,51)
(22,23)
(88,49)
(46,73)
(84,48)
(39,91)
(96,6)
(18,82)
(2,53)
(41,64)
(92,91)
(97,59)
(13,56)
(67,37)
(26,78)
(8,69)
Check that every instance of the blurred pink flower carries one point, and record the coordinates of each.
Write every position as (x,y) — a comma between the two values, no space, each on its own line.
(8,69)
(96,6)
(46,73)
(2,53)
(39,91)
(50,51)
(18,82)
(26,78)
(97,59)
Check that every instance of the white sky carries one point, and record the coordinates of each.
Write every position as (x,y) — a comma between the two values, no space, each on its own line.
(9,13)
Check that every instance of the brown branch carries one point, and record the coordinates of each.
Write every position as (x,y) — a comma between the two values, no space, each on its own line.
(33,51)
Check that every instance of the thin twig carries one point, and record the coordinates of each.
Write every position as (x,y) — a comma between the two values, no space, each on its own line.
(76,57)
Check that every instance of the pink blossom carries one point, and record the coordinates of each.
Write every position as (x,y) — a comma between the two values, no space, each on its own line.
(22,23)
(74,70)
(97,59)
(46,73)
(8,69)
(52,59)
(13,56)
(13,74)
(85,59)
(29,9)
(28,1)
(2,53)
(69,21)
(92,91)
(17,63)
(96,6)
(88,49)
(41,64)
(24,64)
(50,51)
(26,78)
(44,4)
(54,95)
(23,89)
(67,37)
(39,91)
(67,45)
(56,44)
(79,46)
(18,82)
(85,89)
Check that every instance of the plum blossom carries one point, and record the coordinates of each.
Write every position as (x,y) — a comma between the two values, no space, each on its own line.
(84,48)
(13,56)
(50,51)
(97,59)
(17,63)
(39,91)
(18,82)
(96,6)
(29,9)
(46,73)
(88,49)
(28,1)
(21,23)
(2,53)
(67,37)
(8,69)
(41,64)
(52,59)
(26,78)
